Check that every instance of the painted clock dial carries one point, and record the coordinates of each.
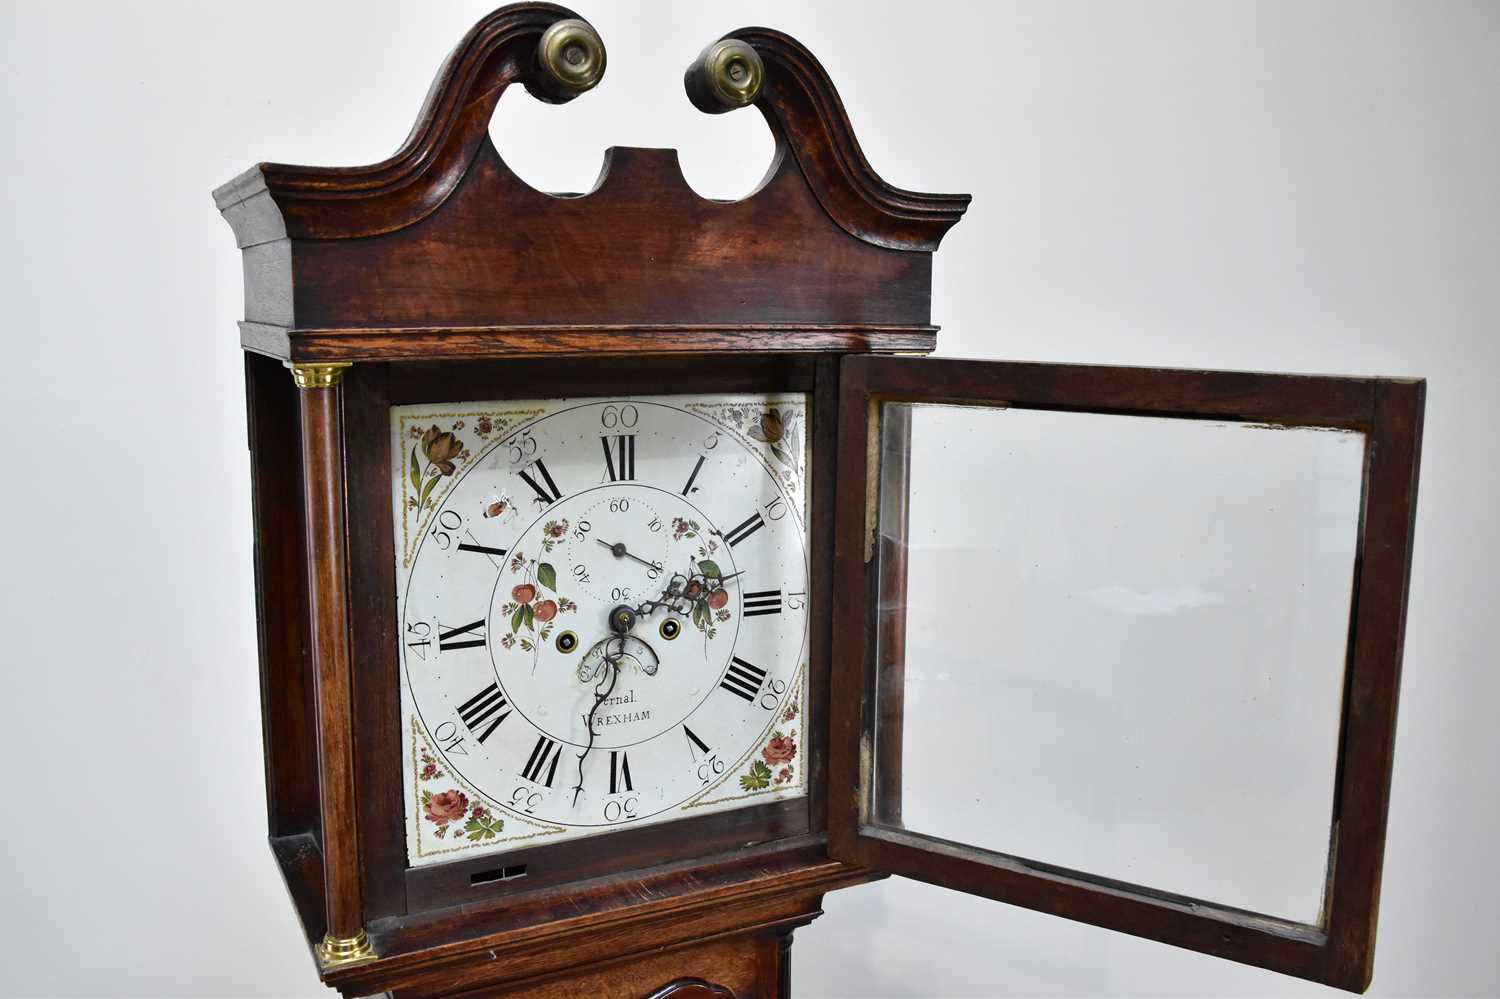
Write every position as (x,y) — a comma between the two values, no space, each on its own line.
(534,714)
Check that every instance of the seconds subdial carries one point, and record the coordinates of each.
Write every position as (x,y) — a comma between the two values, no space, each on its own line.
(618,547)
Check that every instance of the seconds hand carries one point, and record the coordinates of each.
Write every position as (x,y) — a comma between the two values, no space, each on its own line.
(620,551)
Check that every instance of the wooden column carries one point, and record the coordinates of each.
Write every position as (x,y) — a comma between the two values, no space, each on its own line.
(323,501)
(784,966)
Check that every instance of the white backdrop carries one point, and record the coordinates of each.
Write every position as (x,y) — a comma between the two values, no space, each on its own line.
(1288,186)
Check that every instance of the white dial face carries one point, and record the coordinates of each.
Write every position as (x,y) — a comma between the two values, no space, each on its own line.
(603,612)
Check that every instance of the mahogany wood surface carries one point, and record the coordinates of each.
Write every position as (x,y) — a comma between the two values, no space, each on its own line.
(328,568)
(641,248)
(739,968)
(288,684)
(1378,631)
(692,988)
(562,930)
(1388,412)
(806,115)
(300,860)
(407,258)
(429,343)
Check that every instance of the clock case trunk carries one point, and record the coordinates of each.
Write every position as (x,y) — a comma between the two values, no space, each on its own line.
(769,849)
(438,275)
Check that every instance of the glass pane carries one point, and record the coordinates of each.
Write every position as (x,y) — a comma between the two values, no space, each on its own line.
(1116,644)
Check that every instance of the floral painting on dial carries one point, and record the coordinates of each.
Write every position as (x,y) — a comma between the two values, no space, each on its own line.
(778,432)
(453,816)
(534,600)
(433,450)
(779,762)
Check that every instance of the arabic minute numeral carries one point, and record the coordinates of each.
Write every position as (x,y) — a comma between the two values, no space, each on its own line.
(421,633)
(526,799)
(616,809)
(772,694)
(447,522)
(522,446)
(710,768)
(449,739)
(626,416)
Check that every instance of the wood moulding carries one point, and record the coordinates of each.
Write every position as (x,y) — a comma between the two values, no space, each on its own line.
(478,342)
(442,251)
(524,938)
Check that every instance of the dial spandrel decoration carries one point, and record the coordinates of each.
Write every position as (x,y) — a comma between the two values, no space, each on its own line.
(603,609)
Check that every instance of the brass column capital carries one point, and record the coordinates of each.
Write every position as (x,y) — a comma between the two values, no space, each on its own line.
(325,374)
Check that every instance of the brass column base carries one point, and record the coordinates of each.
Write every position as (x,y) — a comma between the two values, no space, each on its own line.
(337,951)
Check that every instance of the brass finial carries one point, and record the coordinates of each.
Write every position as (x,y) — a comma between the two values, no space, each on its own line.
(726,75)
(571,55)
(335,951)
(324,375)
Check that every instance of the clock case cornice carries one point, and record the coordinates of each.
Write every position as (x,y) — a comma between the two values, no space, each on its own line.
(441,251)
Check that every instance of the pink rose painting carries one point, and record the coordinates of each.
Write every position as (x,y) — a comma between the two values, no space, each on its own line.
(781,749)
(447,806)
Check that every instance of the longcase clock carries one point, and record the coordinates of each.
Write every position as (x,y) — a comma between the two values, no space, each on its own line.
(622,591)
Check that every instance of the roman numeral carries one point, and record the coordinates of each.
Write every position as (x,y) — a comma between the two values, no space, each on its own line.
(544,755)
(752,524)
(550,494)
(464,546)
(762,602)
(619,456)
(481,708)
(619,772)
(694,477)
(693,738)
(743,679)
(467,643)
